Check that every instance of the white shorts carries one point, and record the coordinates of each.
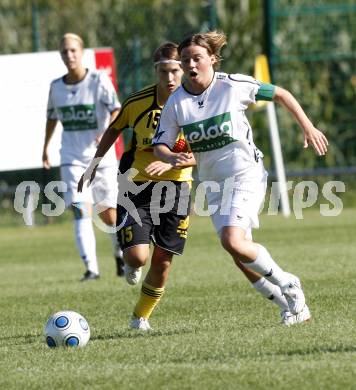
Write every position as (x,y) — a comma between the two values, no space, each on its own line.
(238,205)
(102,192)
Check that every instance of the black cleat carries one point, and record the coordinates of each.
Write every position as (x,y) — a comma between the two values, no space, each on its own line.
(119,266)
(89,276)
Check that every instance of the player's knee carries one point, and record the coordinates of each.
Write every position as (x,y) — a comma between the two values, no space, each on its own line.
(234,245)
(81,210)
(161,260)
(226,243)
(161,267)
(108,216)
(135,258)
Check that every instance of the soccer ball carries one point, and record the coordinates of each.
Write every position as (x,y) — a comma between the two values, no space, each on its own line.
(68,329)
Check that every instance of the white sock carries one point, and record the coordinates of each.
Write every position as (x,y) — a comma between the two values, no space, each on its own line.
(85,239)
(115,245)
(271,292)
(267,267)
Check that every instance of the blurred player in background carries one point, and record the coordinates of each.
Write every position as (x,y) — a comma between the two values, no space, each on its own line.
(85,102)
(141,112)
(210,108)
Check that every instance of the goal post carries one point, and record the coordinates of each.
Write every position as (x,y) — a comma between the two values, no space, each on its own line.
(262,74)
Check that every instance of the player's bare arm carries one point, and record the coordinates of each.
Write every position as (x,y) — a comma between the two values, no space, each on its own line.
(107,140)
(177,160)
(185,160)
(159,167)
(50,127)
(113,116)
(312,135)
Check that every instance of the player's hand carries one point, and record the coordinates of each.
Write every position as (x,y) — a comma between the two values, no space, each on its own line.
(45,160)
(317,139)
(158,168)
(179,160)
(88,176)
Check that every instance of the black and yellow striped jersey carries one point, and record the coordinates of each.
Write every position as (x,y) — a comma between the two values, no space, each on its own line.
(141,112)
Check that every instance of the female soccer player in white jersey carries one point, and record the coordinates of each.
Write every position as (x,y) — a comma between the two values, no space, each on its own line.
(210,108)
(85,102)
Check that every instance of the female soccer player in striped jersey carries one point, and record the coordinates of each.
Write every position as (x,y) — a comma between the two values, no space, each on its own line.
(210,108)
(141,112)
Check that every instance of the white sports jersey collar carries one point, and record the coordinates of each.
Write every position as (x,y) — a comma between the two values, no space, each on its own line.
(198,94)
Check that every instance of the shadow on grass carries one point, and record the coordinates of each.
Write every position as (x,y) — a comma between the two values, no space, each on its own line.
(134,333)
(25,339)
(22,339)
(314,350)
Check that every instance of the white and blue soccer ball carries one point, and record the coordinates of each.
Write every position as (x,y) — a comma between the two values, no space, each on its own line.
(68,329)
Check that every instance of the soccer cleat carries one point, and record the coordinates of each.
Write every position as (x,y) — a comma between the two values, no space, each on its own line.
(294,295)
(289,319)
(132,274)
(89,275)
(140,323)
(294,279)
(120,266)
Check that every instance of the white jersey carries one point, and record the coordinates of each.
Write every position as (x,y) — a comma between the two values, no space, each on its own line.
(215,126)
(84,110)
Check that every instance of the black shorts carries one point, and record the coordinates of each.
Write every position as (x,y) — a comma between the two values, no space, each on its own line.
(163,211)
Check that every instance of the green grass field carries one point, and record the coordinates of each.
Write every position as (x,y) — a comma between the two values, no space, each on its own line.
(211,330)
